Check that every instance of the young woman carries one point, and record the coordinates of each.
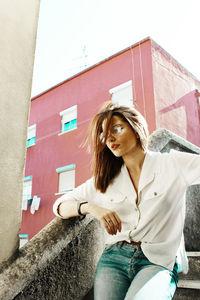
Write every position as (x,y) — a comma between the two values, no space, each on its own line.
(138,196)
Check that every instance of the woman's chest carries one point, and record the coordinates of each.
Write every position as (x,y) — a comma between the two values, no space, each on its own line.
(160,193)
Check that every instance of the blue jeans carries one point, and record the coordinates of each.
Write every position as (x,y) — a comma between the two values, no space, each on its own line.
(124,273)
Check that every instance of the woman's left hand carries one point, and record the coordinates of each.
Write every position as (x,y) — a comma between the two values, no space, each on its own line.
(109,218)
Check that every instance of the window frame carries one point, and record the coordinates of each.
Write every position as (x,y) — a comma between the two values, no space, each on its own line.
(23,239)
(26,179)
(120,87)
(68,115)
(62,170)
(31,135)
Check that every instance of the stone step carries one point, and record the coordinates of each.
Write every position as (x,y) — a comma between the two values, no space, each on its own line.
(194,267)
(189,284)
(188,290)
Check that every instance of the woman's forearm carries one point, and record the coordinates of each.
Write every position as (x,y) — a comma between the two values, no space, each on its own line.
(110,220)
(68,209)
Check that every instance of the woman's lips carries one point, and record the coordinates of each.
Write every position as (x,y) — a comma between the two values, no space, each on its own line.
(115,146)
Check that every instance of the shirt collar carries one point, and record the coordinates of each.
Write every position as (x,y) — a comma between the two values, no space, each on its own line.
(123,184)
(149,169)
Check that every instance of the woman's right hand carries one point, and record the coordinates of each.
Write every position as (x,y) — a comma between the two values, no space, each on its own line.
(107,217)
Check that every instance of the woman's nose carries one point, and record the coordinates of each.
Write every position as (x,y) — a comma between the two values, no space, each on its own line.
(110,137)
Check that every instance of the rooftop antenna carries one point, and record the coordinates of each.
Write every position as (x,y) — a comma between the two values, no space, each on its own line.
(84,56)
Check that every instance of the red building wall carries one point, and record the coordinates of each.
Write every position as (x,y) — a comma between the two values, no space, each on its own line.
(176,102)
(89,89)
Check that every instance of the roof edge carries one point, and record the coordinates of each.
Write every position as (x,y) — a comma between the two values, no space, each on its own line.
(93,66)
(174,59)
(114,55)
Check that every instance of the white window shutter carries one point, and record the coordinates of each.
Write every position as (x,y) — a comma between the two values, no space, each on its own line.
(123,94)
(31,131)
(69,114)
(66,181)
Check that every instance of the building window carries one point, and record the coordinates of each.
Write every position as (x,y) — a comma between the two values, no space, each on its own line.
(123,94)
(66,178)
(69,119)
(31,135)
(27,193)
(23,239)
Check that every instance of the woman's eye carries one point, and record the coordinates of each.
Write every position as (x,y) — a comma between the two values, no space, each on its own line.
(117,129)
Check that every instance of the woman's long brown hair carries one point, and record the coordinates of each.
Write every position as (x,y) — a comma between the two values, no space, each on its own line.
(106,166)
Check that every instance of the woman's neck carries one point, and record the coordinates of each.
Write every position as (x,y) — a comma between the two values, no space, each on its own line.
(134,161)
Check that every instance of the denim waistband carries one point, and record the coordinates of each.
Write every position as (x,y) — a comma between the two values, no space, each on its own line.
(134,244)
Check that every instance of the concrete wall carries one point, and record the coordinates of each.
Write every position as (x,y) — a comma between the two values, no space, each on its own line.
(18,25)
(58,263)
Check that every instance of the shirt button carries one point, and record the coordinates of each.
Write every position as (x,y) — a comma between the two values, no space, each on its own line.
(134,227)
(155,194)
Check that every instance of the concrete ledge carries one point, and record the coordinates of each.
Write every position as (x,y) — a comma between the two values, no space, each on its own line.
(163,140)
(193,254)
(58,263)
(189,284)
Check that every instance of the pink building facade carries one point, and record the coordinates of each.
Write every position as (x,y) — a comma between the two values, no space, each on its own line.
(144,75)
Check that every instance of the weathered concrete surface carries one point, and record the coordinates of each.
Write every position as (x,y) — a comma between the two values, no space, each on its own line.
(194,268)
(18,26)
(187,294)
(58,263)
(163,140)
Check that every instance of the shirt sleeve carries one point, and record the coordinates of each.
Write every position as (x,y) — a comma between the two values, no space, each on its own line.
(189,166)
(84,192)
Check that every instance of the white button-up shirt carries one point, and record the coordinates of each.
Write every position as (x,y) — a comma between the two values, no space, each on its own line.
(157,220)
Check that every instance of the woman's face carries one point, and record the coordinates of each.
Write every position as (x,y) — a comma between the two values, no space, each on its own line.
(121,138)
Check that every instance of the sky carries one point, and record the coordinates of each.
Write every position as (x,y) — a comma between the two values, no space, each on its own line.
(75,34)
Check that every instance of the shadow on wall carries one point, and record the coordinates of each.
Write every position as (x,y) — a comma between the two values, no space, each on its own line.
(192,109)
